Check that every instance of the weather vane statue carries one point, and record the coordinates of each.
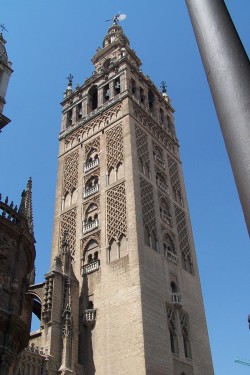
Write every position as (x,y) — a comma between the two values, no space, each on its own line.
(117,18)
(3,28)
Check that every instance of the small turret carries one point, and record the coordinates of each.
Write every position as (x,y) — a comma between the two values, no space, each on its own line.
(25,209)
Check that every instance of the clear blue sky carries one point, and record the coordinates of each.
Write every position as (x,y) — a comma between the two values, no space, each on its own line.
(47,40)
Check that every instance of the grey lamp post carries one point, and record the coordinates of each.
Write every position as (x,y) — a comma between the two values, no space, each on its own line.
(227,69)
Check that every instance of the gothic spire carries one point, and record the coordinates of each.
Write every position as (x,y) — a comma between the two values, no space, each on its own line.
(25,208)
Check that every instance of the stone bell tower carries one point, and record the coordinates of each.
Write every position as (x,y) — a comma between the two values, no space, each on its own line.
(123,294)
(121,199)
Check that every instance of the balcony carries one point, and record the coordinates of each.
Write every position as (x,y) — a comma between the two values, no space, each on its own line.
(90,165)
(176,299)
(161,185)
(90,225)
(89,317)
(90,190)
(172,257)
(90,267)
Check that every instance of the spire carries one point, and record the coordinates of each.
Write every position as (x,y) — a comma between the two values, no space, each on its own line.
(25,208)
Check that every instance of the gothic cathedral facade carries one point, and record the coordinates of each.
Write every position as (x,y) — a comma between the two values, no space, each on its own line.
(123,294)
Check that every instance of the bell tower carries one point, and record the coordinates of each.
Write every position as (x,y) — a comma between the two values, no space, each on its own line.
(123,294)
(121,198)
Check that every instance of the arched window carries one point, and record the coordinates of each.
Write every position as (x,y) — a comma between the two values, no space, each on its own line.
(120,171)
(111,175)
(151,99)
(186,344)
(73,196)
(67,199)
(165,211)
(173,339)
(92,99)
(122,246)
(113,253)
(91,186)
(92,160)
(174,288)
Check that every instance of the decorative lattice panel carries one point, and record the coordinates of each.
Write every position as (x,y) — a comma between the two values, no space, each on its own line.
(114,141)
(182,230)
(92,145)
(142,145)
(147,201)
(174,173)
(166,139)
(71,172)
(68,224)
(116,212)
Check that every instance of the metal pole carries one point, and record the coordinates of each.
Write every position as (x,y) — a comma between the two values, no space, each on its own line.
(227,69)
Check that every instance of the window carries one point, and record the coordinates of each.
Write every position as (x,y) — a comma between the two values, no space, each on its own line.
(69,118)
(151,100)
(133,86)
(79,111)
(106,93)
(91,187)
(165,211)
(92,99)
(142,96)
(162,119)
(117,86)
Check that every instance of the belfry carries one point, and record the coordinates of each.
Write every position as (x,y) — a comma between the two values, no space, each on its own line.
(123,295)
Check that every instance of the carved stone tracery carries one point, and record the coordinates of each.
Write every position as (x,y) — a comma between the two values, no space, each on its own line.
(142,145)
(114,142)
(116,212)
(92,145)
(93,126)
(71,172)
(155,130)
(68,224)
(147,201)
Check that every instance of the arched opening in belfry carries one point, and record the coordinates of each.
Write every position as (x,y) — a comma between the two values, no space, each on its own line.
(92,99)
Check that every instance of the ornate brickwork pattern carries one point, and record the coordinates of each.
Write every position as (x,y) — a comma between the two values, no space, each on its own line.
(92,145)
(114,142)
(182,231)
(116,212)
(147,201)
(166,139)
(174,173)
(86,129)
(68,224)
(96,236)
(71,172)
(142,145)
